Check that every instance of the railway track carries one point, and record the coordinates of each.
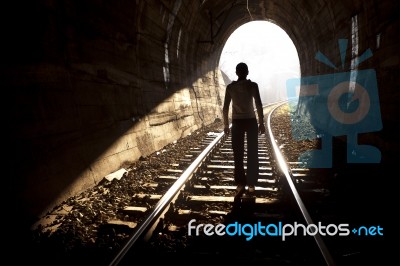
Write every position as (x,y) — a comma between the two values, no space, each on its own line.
(198,191)
(152,214)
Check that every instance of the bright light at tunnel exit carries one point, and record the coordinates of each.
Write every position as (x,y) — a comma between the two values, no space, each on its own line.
(269,53)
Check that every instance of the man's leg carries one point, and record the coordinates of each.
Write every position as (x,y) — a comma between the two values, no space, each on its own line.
(238,152)
(252,153)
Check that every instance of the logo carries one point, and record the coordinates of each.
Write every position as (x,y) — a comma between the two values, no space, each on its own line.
(337,104)
(280,230)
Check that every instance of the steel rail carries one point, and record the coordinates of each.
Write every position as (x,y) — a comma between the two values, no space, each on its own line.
(285,170)
(164,203)
(170,196)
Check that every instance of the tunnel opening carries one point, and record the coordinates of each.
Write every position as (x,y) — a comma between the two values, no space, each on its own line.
(270,54)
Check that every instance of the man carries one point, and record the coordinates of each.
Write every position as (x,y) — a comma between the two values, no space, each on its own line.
(244,94)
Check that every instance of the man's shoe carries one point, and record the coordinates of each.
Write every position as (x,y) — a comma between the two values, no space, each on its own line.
(251,189)
(239,192)
(240,189)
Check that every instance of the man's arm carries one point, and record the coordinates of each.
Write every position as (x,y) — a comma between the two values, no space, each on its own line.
(260,111)
(225,110)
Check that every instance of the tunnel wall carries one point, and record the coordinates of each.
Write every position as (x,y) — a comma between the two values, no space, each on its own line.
(97,85)
(367,25)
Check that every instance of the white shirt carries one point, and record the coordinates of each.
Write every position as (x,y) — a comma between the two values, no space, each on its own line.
(244,94)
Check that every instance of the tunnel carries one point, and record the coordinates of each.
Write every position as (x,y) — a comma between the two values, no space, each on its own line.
(96,85)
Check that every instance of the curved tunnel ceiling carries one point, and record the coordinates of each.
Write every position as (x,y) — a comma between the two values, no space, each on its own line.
(294,18)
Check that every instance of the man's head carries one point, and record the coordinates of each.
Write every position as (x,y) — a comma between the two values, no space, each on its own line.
(241,70)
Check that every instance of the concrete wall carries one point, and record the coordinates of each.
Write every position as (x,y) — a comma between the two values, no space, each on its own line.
(97,85)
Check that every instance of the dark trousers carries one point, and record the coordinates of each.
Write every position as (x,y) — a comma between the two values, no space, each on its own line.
(240,128)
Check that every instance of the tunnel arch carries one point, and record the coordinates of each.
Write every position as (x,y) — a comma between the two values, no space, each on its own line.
(270,54)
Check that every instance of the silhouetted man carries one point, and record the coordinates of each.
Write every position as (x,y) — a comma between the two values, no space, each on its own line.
(244,94)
